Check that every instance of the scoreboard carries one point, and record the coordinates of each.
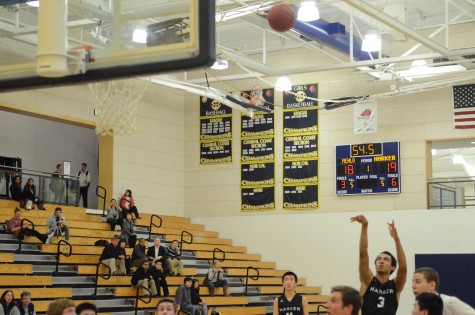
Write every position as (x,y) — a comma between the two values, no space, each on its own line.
(368,168)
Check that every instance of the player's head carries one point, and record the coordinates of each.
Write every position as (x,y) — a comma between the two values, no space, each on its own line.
(344,300)
(384,262)
(425,279)
(86,308)
(289,280)
(428,304)
(166,306)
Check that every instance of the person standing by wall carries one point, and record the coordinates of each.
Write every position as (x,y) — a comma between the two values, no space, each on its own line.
(57,184)
(84,183)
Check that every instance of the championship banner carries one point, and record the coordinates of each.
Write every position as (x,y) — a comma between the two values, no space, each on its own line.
(210,107)
(257,174)
(216,152)
(301,197)
(216,128)
(258,198)
(215,132)
(300,172)
(300,121)
(299,100)
(258,126)
(257,149)
(301,147)
(365,116)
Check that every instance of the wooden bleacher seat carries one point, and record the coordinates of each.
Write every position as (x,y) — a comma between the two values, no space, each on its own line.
(241,272)
(43,216)
(91,270)
(40,222)
(210,248)
(245,264)
(211,301)
(230,256)
(19,269)
(125,281)
(22,281)
(79,250)
(317,298)
(203,240)
(271,281)
(6,257)
(45,293)
(312,308)
(130,291)
(271,290)
(248,310)
(79,260)
(177,232)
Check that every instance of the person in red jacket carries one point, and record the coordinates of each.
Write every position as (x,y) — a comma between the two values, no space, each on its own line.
(127,204)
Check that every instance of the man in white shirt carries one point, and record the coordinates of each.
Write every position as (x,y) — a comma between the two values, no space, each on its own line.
(426,279)
(84,183)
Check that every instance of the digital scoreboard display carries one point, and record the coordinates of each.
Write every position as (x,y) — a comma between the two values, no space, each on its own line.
(368,168)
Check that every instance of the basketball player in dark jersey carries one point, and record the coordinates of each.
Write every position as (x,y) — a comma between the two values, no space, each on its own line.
(290,303)
(380,294)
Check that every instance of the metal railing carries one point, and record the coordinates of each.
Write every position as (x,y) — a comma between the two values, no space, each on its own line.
(214,255)
(450,193)
(106,277)
(49,187)
(59,253)
(319,307)
(102,196)
(20,234)
(182,240)
(255,278)
(152,224)
(138,297)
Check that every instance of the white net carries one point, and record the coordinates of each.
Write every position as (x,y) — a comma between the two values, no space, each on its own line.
(257,98)
(116,105)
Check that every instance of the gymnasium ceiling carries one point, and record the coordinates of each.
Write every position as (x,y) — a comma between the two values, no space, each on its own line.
(442,30)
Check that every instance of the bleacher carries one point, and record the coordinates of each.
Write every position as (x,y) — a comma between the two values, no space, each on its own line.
(34,268)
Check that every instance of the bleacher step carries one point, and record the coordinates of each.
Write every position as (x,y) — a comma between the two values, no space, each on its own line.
(37,259)
(75,282)
(85,293)
(25,248)
(49,269)
(132,313)
(112,305)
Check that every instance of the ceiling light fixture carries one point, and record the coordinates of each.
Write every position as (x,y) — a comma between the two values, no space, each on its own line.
(283,84)
(139,36)
(35,4)
(308,11)
(371,42)
(220,64)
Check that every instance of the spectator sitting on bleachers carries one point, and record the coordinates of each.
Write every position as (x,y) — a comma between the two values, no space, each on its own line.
(215,278)
(29,193)
(138,254)
(128,232)
(196,298)
(143,278)
(61,307)
(174,264)
(127,204)
(86,308)
(14,226)
(128,260)
(166,306)
(183,298)
(24,306)
(113,257)
(157,252)
(7,302)
(113,215)
(160,276)
(56,225)
(16,192)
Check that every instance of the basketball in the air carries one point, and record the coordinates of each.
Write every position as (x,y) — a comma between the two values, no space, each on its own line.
(281,17)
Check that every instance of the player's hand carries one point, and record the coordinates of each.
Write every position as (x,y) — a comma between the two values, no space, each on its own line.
(360,219)
(392,230)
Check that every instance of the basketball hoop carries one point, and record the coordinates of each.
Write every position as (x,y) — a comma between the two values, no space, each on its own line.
(257,98)
(116,104)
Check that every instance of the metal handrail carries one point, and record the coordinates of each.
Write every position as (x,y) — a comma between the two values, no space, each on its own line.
(182,240)
(20,235)
(19,169)
(252,277)
(214,255)
(98,275)
(153,224)
(137,297)
(103,197)
(320,306)
(59,252)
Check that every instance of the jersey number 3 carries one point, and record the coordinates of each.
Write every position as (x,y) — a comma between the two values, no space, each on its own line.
(381,302)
